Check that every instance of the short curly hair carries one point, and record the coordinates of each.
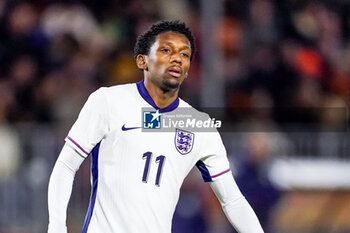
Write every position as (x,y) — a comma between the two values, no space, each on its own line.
(146,40)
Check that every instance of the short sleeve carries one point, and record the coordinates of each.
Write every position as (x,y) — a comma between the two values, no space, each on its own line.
(213,162)
(91,126)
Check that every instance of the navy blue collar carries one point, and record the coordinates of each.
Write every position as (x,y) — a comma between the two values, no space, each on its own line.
(145,95)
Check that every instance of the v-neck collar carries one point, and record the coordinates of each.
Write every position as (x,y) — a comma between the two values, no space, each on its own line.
(145,95)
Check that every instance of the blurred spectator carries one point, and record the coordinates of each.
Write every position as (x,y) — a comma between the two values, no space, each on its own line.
(24,76)
(10,144)
(261,24)
(73,19)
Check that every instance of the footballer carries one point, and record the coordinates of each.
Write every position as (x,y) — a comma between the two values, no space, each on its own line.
(136,175)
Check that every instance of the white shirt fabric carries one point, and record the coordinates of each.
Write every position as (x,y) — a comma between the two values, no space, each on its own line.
(136,175)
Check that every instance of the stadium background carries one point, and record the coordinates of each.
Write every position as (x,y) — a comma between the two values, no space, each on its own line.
(279,70)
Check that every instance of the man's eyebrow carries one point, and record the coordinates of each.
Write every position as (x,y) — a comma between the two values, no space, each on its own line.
(182,48)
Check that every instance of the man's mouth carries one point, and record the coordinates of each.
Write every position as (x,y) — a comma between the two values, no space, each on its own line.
(175,71)
(175,74)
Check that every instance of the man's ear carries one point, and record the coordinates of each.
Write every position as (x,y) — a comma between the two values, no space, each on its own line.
(141,62)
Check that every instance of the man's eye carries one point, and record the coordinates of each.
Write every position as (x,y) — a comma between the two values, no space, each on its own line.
(185,55)
(165,50)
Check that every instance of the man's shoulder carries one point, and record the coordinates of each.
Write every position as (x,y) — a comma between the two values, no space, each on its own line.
(120,88)
(184,104)
(117,90)
(187,107)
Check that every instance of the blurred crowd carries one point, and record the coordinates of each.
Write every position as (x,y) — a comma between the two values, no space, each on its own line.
(276,53)
(290,58)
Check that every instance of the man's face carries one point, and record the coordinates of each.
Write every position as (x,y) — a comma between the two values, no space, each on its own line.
(168,60)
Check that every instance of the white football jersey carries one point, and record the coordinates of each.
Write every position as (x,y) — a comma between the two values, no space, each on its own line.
(137,175)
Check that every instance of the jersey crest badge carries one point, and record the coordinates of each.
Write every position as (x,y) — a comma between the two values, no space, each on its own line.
(184,141)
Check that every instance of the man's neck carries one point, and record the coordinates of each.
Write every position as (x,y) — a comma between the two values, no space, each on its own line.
(161,98)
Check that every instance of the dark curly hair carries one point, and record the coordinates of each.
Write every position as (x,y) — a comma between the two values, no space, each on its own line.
(146,40)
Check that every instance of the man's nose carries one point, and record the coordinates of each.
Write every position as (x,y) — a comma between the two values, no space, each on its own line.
(176,57)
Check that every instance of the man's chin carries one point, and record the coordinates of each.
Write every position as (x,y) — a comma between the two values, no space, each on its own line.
(170,86)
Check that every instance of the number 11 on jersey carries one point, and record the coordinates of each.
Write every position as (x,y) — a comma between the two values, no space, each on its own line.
(160,160)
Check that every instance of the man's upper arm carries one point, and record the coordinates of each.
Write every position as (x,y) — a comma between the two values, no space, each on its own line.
(213,162)
(91,125)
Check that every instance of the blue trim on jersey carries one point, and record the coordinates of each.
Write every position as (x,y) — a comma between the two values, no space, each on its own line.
(204,170)
(94,171)
(145,95)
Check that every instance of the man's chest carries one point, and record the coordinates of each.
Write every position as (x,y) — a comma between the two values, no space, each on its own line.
(145,158)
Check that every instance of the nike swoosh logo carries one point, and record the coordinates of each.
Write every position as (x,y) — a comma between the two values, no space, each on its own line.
(129,128)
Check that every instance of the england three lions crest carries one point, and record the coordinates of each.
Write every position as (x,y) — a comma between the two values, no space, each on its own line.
(184,141)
